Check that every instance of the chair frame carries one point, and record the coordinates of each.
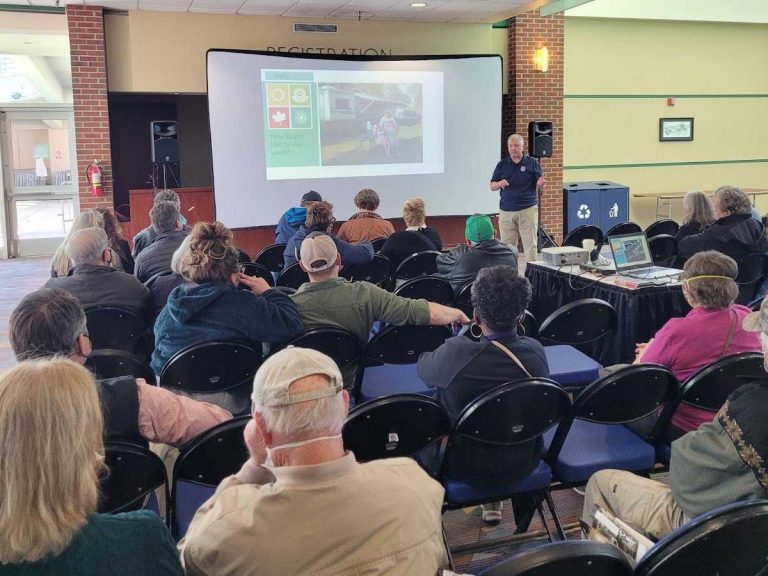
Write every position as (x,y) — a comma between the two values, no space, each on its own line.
(352,272)
(566,309)
(627,227)
(663,223)
(402,273)
(128,357)
(266,252)
(319,336)
(595,233)
(669,259)
(120,449)
(435,280)
(257,271)
(128,344)
(281,279)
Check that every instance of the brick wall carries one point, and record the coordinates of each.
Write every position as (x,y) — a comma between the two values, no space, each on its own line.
(89,87)
(539,96)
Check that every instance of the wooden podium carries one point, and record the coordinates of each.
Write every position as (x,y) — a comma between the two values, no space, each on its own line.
(196,205)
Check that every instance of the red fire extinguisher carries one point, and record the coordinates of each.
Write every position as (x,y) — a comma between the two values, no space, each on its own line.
(94,175)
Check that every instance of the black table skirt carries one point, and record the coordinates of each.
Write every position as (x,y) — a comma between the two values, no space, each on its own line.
(641,312)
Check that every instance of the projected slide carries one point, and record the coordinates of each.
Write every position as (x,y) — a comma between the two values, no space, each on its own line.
(336,123)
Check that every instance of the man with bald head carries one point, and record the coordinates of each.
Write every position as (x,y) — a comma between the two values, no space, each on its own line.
(92,281)
(301,504)
(518,179)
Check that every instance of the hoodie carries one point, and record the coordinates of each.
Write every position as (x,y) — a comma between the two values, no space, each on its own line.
(736,235)
(361,253)
(289,224)
(214,311)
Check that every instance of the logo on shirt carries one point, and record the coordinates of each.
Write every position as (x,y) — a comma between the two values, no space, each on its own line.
(522,168)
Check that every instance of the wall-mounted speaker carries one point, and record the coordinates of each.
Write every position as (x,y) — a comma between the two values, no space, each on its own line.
(540,139)
(165,141)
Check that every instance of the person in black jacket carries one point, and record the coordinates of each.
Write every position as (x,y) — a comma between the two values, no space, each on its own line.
(482,250)
(734,233)
(699,214)
(417,237)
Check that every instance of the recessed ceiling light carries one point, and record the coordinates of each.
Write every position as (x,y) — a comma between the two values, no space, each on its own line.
(418,4)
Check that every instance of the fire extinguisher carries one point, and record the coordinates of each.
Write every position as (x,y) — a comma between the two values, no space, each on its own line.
(95,178)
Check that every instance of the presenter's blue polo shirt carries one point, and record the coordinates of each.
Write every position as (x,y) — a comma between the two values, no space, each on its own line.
(522,176)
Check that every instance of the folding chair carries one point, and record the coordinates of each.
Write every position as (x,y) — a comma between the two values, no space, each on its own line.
(133,473)
(107,363)
(584,324)
(419,264)
(431,288)
(257,271)
(665,226)
(293,276)
(342,346)
(378,271)
(663,250)
(115,328)
(271,257)
(623,228)
(587,232)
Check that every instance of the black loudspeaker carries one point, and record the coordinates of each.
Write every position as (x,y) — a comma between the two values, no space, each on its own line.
(165,141)
(540,139)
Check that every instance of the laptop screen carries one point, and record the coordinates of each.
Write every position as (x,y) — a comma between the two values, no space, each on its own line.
(630,251)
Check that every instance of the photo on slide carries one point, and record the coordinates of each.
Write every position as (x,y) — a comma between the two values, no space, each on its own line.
(365,123)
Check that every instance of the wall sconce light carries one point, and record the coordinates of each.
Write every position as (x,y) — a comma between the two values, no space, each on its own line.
(541,59)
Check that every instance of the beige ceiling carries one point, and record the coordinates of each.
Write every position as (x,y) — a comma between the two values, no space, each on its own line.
(485,11)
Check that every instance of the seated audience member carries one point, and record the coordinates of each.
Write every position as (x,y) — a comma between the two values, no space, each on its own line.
(210,306)
(51,456)
(320,219)
(162,286)
(51,322)
(146,236)
(327,300)
(156,258)
(462,264)
(699,214)
(117,243)
(93,282)
(462,370)
(60,263)
(417,236)
(721,463)
(710,288)
(366,224)
(385,514)
(293,218)
(734,232)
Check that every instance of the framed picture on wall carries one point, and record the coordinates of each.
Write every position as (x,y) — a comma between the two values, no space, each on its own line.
(675,129)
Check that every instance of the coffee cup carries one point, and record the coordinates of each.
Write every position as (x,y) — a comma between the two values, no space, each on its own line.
(588,244)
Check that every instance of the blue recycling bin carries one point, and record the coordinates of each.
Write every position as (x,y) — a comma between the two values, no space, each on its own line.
(603,204)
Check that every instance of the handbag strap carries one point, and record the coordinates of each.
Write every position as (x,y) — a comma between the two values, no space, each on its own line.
(731,332)
(511,354)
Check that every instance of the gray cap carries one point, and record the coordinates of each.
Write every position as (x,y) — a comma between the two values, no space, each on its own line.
(271,386)
(757,321)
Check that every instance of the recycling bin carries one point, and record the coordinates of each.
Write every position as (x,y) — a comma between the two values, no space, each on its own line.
(603,204)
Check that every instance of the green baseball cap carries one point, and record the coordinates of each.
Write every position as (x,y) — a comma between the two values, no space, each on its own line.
(479,227)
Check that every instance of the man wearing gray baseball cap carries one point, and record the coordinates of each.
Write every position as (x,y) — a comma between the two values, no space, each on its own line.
(722,462)
(301,504)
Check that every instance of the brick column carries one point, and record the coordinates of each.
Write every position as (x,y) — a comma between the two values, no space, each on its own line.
(89,88)
(539,96)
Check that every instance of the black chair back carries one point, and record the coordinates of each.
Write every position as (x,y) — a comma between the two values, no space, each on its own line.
(623,228)
(463,299)
(377,271)
(419,264)
(222,370)
(257,271)
(511,414)
(729,541)
(528,325)
(588,232)
(753,271)
(342,346)
(293,276)
(115,328)
(377,243)
(625,396)
(208,459)
(432,288)
(133,472)
(404,344)
(271,257)
(392,426)
(107,363)
(571,558)
(663,249)
(243,257)
(584,324)
(666,226)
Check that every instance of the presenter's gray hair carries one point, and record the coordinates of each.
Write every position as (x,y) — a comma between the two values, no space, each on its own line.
(87,246)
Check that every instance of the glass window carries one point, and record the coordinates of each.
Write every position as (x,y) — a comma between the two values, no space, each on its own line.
(41,153)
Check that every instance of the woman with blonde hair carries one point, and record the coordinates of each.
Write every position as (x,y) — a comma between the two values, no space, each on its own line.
(60,263)
(51,455)
(209,305)
(699,214)
(417,236)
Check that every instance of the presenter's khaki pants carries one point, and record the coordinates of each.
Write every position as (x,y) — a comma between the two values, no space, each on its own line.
(641,502)
(521,224)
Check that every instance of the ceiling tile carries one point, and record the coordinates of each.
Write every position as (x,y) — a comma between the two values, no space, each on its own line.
(165,5)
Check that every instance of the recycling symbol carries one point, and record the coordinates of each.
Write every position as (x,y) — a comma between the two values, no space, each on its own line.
(583,212)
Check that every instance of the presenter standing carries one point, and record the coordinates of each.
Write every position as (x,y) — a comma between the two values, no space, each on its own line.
(519,179)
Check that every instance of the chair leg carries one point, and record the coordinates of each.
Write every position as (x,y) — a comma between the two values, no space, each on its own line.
(524,509)
(447,548)
(555,517)
(540,510)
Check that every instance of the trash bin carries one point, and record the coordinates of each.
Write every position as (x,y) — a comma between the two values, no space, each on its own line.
(603,204)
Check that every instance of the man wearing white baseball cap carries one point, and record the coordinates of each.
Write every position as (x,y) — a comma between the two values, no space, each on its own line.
(301,504)
(722,462)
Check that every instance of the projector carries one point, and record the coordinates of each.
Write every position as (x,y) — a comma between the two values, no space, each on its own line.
(565,256)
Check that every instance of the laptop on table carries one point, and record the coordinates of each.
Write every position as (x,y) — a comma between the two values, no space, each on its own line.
(632,257)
